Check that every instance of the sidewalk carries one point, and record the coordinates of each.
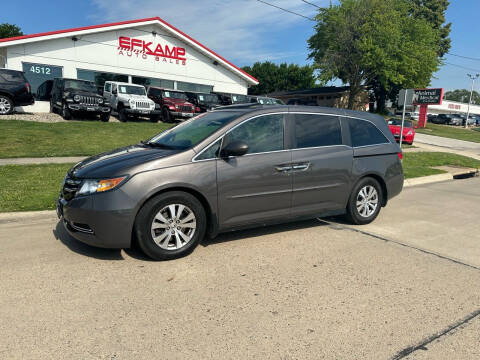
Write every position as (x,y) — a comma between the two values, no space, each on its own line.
(442,144)
(44,160)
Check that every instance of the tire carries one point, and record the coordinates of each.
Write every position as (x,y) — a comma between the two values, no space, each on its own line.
(105,117)
(122,115)
(166,116)
(6,105)
(170,245)
(66,113)
(154,118)
(52,108)
(361,216)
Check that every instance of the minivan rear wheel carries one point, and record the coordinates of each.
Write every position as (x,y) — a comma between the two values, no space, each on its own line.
(365,201)
(6,105)
(170,225)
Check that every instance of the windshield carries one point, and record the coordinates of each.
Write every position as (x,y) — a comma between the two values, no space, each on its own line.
(397,122)
(175,95)
(239,99)
(192,132)
(265,101)
(81,85)
(132,90)
(208,98)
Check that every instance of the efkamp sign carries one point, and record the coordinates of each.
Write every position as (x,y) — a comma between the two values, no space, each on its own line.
(428,96)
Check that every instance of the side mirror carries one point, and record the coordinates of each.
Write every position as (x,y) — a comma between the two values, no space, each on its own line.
(235,148)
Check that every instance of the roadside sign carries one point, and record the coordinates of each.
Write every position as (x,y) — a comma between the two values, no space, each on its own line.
(428,97)
(405,99)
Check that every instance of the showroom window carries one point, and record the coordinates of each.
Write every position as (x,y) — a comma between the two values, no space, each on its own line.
(99,78)
(36,74)
(261,134)
(317,130)
(166,84)
(185,86)
(364,133)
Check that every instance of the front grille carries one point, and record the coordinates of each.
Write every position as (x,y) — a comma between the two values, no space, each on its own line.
(70,188)
(186,108)
(89,100)
(143,105)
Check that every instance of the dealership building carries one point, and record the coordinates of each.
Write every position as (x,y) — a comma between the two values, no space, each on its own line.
(145,51)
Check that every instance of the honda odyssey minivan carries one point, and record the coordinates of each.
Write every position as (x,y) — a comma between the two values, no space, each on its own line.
(232,168)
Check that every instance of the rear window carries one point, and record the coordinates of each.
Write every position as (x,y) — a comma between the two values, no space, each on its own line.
(317,130)
(15,76)
(364,133)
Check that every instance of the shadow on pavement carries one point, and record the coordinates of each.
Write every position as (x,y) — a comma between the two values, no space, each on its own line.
(83,249)
(261,231)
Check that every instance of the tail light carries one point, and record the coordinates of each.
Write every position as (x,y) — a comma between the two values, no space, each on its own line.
(28,87)
(400,155)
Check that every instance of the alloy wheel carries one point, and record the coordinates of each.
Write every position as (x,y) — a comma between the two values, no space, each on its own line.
(5,106)
(173,226)
(367,201)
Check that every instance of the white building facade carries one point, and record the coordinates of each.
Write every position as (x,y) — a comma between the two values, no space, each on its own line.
(145,51)
(453,107)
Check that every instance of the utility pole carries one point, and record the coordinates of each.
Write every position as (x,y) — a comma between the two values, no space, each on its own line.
(471,94)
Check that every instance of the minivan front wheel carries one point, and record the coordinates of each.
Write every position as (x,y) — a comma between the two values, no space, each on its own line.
(170,225)
(365,201)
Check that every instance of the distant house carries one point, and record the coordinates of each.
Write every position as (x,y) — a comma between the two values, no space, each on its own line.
(330,96)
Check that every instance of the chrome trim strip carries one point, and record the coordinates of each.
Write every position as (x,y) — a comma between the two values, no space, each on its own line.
(318,187)
(260,194)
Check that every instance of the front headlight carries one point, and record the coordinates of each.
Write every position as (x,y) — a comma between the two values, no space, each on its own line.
(96,186)
(100,101)
(410,132)
(76,98)
(132,103)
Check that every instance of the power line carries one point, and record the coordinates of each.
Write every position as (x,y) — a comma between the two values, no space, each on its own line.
(286,10)
(460,66)
(309,3)
(465,57)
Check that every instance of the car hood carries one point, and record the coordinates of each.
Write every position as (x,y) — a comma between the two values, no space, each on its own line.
(177,101)
(118,162)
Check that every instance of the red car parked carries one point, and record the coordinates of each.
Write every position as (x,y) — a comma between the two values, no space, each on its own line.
(395,126)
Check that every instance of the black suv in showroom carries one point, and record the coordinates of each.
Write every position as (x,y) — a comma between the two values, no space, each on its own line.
(14,91)
(72,96)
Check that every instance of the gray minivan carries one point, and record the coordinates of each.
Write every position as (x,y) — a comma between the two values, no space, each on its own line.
(232,168)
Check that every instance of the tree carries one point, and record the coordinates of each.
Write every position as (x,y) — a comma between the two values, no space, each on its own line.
(463,96)
(9,30)
(373,42)
(434,12)
(283,77)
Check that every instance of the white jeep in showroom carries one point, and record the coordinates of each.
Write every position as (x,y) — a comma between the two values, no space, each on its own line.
(130,100)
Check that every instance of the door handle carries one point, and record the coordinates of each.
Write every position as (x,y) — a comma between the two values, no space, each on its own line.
(283,168)
(300,167)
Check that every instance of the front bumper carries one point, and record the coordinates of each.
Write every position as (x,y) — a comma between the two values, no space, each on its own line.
(183,115)
(98,220)
(143,112)
(89,108)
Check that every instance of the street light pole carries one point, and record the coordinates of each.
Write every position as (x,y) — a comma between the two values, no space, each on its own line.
(471,94)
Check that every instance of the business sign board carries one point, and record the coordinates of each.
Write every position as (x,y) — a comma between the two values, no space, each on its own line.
(427,96)
(138,48)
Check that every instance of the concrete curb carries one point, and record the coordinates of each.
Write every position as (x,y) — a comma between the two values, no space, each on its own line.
(12,217)
(427,179)
(45,160)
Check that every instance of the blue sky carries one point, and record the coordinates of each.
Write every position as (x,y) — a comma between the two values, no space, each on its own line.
(243,31)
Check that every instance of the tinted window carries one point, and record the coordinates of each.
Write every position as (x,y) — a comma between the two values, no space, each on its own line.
(99,78)
(36,74)
(168,84)
(364,133)
(317,130)
(14,76)
(185,86)
(211,152)
(108,87)
(262,134)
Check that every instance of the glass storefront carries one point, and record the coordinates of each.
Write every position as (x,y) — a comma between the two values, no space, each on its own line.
(37,74)
(166,84)
(99,78)
(185,86)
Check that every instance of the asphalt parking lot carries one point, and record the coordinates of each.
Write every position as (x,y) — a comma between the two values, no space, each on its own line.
(405,287)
